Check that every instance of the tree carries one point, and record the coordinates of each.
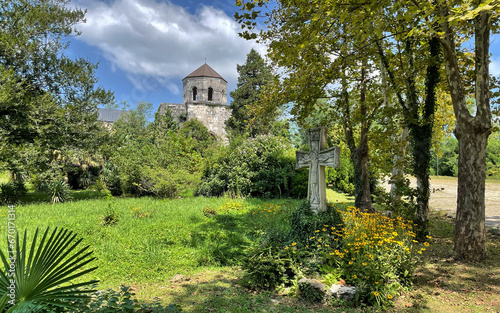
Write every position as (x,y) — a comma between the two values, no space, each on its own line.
(254,75)
(472,131)
(450,22)
(320,58)
(47,101)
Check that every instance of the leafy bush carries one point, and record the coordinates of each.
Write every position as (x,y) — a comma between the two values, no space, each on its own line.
(209,212)
(299,186)
(267,267)
(259,167)
(11,191)
(112,178)
(59,191)
(377,254)
(342,178)
(304,222)
(406,206)
(199,133)
(372,252)
(111,301)
(161,169)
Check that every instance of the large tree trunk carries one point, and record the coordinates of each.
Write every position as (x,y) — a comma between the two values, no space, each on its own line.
(470,232)
(359,154)
(359,157)
(397,178)
(422,137)
(472,133)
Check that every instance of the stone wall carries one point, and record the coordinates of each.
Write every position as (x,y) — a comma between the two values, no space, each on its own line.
(202,84)
(178,111)
(213,116)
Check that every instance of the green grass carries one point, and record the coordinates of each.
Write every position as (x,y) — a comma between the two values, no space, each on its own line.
(153,240)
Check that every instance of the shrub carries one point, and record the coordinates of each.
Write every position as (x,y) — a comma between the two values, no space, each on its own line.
(111,301)
(199,133)
(59,191)
(304,222)
(112,179)
(342,178)
(266,268)
(209,212)
(377,254)
(11,191)
(299,186)
(161,169)
(259,167)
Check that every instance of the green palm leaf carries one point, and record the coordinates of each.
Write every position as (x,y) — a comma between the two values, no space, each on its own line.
(43,276)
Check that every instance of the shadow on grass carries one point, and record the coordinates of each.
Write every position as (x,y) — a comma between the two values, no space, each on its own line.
(223,239)
(443,279)
(43,197)
(221,293)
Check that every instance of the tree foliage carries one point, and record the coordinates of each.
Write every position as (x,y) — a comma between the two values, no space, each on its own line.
(47,100)
(254,75)
(312,40)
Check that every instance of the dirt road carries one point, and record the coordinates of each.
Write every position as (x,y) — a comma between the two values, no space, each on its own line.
(444,197)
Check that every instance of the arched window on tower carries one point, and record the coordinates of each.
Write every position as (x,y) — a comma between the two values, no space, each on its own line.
(210,93)
(195,93)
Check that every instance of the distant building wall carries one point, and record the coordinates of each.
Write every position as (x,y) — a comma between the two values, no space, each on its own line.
(213,116)
(178,110)
(202,84)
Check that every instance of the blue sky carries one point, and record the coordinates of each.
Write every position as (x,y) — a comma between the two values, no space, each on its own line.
(146,47)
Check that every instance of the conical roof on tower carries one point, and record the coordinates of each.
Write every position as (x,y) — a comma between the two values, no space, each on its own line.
(205,71)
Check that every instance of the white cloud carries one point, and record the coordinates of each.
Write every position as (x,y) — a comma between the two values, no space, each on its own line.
(495,66)
(162,40)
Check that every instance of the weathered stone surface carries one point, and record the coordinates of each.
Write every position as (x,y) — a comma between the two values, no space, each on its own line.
(316,159)
(342,292)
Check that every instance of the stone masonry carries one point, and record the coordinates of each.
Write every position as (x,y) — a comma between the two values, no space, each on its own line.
(205,99)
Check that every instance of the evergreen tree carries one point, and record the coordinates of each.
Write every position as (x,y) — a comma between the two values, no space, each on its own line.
(254,75)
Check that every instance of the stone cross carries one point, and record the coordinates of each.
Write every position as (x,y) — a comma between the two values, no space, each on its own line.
(316,159)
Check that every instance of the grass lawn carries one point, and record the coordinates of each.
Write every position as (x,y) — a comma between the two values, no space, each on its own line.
(169,249)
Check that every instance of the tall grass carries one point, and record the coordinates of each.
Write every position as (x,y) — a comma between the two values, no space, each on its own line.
(151,240)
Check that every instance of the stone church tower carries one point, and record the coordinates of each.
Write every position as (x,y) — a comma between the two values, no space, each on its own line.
(205,99)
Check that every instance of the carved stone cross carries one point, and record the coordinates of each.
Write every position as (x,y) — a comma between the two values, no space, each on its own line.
(316,159)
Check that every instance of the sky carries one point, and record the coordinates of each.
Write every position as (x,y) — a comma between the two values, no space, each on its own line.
(146,47)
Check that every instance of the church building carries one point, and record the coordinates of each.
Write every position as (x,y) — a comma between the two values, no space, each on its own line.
(205,99)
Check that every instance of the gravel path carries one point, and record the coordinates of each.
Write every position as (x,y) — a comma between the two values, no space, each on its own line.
(444,197)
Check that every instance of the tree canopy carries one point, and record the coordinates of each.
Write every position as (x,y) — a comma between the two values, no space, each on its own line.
(314,42)
(254,75)
(47,100)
